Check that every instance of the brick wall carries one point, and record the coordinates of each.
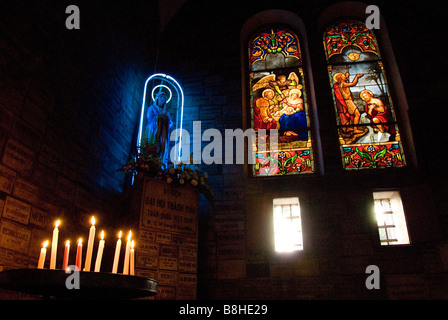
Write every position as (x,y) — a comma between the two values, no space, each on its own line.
(69,107)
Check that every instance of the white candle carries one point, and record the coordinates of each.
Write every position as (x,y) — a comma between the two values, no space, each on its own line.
(132,271)
(90,246)
(117,254)
(126,254)
(54,245)
(43,253)
(99,255)
(66,255)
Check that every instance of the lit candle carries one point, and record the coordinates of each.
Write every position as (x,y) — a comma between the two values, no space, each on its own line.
(43,253)
(54,245)
(132,271)
(126,254)
(99,255)
(117,254)
(66,254)
(90,246)
(79,254)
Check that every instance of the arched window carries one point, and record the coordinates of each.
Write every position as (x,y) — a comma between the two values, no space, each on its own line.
(278,100)
(367,126)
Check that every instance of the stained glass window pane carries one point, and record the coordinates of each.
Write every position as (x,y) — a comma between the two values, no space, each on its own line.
(368,132)
(278,101)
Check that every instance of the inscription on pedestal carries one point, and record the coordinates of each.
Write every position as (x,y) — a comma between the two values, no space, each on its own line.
(169,209)
(167,238)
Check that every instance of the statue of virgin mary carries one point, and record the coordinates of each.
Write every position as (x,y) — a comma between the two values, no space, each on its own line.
(159,125)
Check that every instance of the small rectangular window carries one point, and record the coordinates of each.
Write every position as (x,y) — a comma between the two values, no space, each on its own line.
(287,225)
(390,218)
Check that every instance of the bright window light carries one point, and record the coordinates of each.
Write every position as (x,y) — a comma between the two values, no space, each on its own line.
(287,225)
(390,218)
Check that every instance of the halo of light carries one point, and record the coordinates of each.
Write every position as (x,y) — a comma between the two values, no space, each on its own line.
(158,86)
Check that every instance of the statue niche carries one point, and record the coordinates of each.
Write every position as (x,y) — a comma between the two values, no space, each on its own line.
(161,113)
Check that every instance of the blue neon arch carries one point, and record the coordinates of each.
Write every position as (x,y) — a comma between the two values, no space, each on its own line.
(170,80)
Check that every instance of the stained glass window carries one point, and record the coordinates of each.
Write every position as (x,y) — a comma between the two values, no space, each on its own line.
(278,101)
(368,132)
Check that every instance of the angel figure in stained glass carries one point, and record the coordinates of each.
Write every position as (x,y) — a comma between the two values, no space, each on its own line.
(281,85)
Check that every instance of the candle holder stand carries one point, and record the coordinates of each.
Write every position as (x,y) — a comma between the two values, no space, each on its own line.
(51,284)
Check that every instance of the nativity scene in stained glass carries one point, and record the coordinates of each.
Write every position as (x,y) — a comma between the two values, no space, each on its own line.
(278,100)
(367,126)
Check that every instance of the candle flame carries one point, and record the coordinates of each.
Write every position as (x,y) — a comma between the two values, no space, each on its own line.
(92,220)
(45,244)
(57,223)
(67,243)
(132,244)
(102,235)
(129,235)
(80,241)
(119,235)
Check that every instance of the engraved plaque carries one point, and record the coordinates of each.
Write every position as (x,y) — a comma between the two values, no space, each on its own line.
(26,191)
(145,273)
(18,157)
(16,210)
(186,293)
(146,261)
(39,217)
(187,279)
(14,237)
(168,263)
(13,259)
(165,293)
(163,237)
(168,278)
(147,235)
(187,266)
(169,209)
(186,253)
(168,251)
(7,177)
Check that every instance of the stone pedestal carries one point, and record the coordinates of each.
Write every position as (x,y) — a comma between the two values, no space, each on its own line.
(165,218)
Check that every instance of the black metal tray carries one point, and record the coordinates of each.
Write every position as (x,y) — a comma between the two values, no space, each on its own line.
(92,285)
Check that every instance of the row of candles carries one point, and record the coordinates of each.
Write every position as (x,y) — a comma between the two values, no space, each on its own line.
(129,257)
